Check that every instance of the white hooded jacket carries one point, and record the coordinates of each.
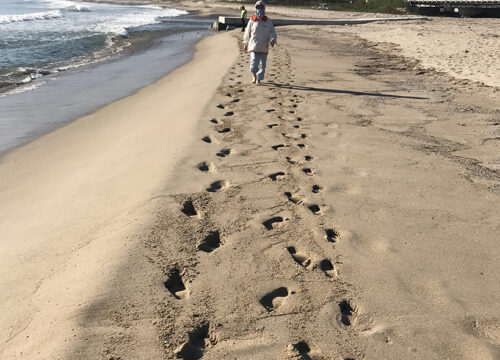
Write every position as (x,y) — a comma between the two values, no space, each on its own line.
(258,34)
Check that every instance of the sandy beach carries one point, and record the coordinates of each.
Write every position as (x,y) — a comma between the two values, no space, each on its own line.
(347,208)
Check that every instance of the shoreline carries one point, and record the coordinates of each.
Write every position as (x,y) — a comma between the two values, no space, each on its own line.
(29,114)
(87,199)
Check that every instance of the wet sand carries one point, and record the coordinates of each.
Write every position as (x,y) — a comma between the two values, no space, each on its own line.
(345,209)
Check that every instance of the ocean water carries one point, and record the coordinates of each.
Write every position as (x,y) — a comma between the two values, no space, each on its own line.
(42,36)
(60,60)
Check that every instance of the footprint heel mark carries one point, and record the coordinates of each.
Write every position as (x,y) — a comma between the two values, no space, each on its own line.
(309,158)
(273,222)
(175,285)
(224,152)
(295,198)
(224,130)
(277,147)
(211,242)
(214,121)
(302,146)
(200,339)
(270,110)
(308,171)
(292,161)
(220,106)
(300,258)
(229,113)
(317,189)
(206,166)
(270,126)
(315,209)
(280,175)
(189,209)
(218,185)
(275,299)
(332,235)
(328,268)
(348,312)
(300,350)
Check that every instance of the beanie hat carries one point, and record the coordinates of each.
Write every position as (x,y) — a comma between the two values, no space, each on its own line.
(259,4)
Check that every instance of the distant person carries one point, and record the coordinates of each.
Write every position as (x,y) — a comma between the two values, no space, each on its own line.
(243,18)
(259,34)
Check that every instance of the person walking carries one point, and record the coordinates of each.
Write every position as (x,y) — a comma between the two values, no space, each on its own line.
(259,34)
(243,18)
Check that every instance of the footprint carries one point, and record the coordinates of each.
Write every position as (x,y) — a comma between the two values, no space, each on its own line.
(332,235)
(210,242)
(275,299)
(175,285)
(189,209)
(235,100)
(225,130)
(214,121)
(224,152)
(273,222)
(296,126)
(302,146)
(295,198)
(270,110)
(327,267)
(229,113)
(303,136)
(220,106)
(270,126)
(292,161)
(277,147)
(308,158)
(280,175)
(206,166)
(299,119)
(315,209)
(208,139)
(308,171)
(348,312)
(300,350)
(300,258)
(288,136)
(317,189)
(292,112)
(218,185)
(200,339)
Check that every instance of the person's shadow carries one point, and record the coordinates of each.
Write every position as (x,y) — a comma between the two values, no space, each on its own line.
(336,91)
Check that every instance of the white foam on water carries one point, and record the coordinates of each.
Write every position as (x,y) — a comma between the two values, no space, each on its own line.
(45,15)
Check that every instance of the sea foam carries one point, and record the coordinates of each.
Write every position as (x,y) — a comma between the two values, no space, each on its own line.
(45,15)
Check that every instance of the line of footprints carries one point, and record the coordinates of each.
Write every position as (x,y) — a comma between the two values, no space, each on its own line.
(204,336)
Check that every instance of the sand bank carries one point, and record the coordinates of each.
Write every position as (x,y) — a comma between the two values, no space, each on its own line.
(70,199)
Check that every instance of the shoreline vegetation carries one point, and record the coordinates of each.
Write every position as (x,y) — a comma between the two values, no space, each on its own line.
(363,6)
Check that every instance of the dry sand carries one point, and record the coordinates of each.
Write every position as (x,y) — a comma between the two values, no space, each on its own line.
(70,201)
(348,209)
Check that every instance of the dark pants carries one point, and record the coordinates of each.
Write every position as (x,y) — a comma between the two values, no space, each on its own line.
(242,24)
